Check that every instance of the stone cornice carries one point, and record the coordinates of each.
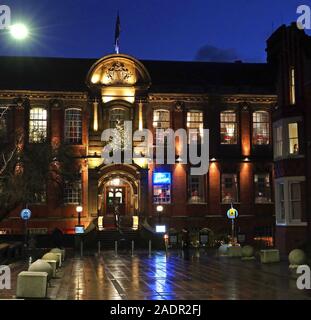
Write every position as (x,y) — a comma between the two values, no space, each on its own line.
(43,95)
(243,98)
(173,97)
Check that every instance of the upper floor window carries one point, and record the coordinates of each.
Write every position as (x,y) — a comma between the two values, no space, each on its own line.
(37,125)
(38,196)
(73,126)
(228,127)
(293,138)
(73,191)
(195,126)
(3,124)
(261,125)
(292,86)
(287,140)
(161,120)
(196,189)
(229,188)
(117,116)
(262,188)
(280,205)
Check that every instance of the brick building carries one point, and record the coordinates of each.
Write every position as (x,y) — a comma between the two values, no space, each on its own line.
(262,169)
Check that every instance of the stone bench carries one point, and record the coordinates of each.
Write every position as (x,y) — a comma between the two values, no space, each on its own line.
(234,251)
(53,264)
(269,256)
(32,285)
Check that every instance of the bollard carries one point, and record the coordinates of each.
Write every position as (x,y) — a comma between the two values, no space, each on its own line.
(149,248)
(98,248)
(30,261)
(132,248)
(116,248)
(81,248)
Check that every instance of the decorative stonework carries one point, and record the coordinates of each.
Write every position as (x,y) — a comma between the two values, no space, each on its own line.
(118,73)
(179,106)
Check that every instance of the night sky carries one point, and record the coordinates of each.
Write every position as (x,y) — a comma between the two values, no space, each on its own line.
(222,30)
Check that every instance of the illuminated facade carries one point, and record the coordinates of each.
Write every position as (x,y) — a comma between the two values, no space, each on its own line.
(72,101)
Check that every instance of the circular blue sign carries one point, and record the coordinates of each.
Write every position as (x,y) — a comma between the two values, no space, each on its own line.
(232,213)
(25,214)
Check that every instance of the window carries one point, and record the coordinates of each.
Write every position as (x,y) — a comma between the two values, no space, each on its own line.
(73,126)
(292,86)
(72,192)
(161,120)
(37,125)
(289,201)
(293,138)
(162,194)
(261,124)
(3,124)
(228,127)
(262,188)
(295,202)
(195,124)
(196,189)
(278,147)
(229,188)
(38,196)
(117,116)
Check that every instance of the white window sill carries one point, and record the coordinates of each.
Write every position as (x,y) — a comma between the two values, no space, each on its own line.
(292,224)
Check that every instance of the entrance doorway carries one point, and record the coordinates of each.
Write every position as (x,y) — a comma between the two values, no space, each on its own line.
(116,200)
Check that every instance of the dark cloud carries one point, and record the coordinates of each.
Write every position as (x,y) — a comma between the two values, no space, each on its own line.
(214,54)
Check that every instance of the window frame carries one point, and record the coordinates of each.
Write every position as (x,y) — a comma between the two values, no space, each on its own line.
(287,182)
(198,125)
(265,174)
(234,123)
(268,127)
(202,181)
(237,183)
(33,140)
(70,140)
(78,194)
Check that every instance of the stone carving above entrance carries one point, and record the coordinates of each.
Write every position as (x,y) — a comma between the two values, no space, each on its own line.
(118,73)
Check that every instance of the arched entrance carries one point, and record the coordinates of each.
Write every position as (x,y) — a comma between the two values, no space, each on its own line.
(119,195)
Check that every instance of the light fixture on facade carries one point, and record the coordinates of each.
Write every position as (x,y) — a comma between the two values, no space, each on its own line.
(160,209)
(213,159)
(246,159)
(116,182)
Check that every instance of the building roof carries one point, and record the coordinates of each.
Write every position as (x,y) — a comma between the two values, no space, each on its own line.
(65,74)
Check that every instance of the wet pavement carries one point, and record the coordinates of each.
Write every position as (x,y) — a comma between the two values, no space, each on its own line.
(168,277)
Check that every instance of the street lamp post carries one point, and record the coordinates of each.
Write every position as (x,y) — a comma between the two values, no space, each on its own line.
(79,210)
(159,211)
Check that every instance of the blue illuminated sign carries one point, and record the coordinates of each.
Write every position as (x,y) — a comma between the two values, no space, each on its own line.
(162,178)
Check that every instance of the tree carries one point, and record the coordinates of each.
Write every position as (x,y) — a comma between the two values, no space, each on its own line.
(27,170)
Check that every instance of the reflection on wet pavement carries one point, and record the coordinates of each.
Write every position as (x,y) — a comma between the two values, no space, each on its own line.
(168,277)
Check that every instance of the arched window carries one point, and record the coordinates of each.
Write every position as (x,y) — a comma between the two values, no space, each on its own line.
(37,125)
(228,127)
(118,115)
(261,125)
(73,126)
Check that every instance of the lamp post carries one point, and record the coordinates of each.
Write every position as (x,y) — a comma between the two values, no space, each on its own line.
(159,211)
(79,210)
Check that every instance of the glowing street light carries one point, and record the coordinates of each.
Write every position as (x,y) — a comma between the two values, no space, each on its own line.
(79,209)
(19,31)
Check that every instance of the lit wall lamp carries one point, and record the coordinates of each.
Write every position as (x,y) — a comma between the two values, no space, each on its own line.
(79,210)
(213,160)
